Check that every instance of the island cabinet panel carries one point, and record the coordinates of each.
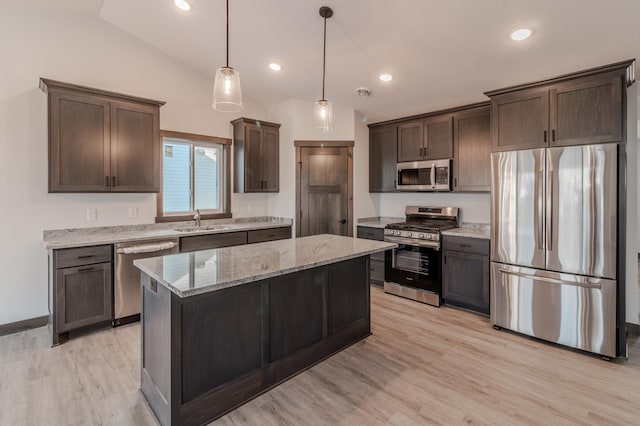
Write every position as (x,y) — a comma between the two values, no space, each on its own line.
(206,354)
(232,344)
(295,312)
(347,304)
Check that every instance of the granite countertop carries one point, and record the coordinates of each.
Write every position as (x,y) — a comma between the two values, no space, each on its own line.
(188,274)
(379,222)
(471,230)
(80,237)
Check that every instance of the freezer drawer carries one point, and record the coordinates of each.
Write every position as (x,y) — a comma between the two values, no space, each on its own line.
(571,310)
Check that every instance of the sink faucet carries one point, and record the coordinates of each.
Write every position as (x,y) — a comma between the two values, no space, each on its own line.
(197,218)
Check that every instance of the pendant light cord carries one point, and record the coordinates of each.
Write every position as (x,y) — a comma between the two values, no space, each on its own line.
(324,55)
(228,33)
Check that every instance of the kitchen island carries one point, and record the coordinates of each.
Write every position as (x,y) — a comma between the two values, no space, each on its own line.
(221,326)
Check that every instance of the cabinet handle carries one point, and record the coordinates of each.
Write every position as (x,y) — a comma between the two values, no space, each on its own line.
(114,181)
(86,256)
(553,135)
(545,135)
(106,181)
(90,268)
(455,182)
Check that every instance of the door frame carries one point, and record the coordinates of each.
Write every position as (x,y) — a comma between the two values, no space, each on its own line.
(326,144)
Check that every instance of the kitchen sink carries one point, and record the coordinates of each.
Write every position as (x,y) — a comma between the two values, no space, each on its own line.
(204,228)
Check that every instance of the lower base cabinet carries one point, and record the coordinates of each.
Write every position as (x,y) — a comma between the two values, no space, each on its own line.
(376,271)
(82,289)
(466,276)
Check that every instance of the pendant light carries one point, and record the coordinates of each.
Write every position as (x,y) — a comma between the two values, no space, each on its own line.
(323,111)
(227,96)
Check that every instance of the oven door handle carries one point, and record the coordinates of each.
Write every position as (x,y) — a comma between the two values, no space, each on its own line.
(411,242)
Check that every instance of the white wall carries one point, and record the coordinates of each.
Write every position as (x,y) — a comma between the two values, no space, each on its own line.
(83,50)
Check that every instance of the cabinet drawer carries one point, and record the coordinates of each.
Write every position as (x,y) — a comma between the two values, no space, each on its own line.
(376,271)
(371,233)
(66,258)
(271,234)
(466,244)
(211,241)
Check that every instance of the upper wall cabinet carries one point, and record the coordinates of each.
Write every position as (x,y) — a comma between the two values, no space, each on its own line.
(383,143)
(101,141)
(256,152)
(472,150)
(580,108)
(428,139)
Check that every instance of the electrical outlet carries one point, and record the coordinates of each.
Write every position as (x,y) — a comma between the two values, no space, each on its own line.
(133,212)
(92,214)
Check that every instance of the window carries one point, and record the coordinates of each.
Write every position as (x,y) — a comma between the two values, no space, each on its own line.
(195,175)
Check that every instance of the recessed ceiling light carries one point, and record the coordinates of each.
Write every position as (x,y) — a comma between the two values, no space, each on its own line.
(183,5)
(520,34)
(275,67)
(386,77)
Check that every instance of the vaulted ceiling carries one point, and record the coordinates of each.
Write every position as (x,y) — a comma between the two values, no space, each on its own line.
(441,53)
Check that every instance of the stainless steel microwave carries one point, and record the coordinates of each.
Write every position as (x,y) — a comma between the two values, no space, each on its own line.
(424,176)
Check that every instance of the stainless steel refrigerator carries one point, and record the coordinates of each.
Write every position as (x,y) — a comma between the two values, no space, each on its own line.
(553,254)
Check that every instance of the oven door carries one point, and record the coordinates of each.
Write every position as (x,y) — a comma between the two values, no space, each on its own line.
(415,266)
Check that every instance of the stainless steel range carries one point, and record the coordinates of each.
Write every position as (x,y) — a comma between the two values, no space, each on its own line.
(413,269)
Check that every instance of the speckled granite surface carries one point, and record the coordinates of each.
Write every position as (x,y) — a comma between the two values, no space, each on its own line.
(379,222)
(78,237)
(472,230)
(188,274)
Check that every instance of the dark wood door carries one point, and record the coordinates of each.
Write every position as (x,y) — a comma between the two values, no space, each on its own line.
(383,152)
(588,110)
(83,296)
(79,143)
(135,150)
(410,141)
(270,153)
(324,198)
(472,150)
(438,137)
(466,280)
(253,181)
(520,120)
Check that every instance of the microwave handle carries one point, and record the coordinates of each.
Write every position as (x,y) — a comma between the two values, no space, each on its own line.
(433,175)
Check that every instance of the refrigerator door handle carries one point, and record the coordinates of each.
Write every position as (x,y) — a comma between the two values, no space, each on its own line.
(540,209)
(550,280)
(549,219)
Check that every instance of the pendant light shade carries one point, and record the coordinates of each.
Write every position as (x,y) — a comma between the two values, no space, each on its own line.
(323,111)
(227,94)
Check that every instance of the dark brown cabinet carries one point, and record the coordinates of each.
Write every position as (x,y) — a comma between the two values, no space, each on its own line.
(256,151)
(227,239)
(569,111)
(383,152)
(472,150)
(101,141)
(428,139)
(376,264)
(82,288)
(465,277)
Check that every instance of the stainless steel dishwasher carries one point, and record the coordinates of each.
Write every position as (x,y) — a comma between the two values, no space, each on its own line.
(126,296)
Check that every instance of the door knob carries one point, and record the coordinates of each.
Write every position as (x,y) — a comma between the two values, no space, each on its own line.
(343,221)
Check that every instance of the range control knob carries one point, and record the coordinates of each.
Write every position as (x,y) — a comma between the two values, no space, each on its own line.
(420,235)
(429,237)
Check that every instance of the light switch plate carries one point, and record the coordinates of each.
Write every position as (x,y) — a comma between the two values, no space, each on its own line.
(92,214)
(133,212)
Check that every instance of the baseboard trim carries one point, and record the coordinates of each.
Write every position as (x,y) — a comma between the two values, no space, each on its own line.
(633,329)
(28,324)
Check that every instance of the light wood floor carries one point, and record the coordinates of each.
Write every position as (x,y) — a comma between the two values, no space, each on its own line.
(422,365)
